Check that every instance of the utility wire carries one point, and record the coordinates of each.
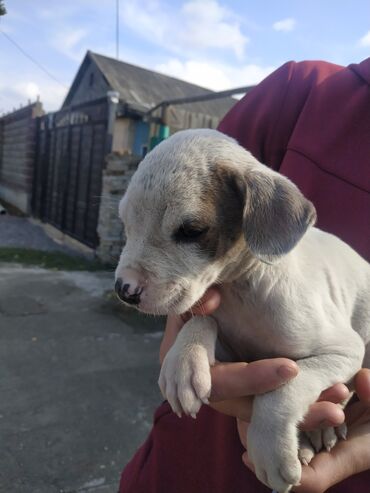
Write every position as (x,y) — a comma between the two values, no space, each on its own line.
(41,67)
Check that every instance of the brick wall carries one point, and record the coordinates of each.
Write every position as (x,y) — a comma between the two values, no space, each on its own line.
(116,176)
(17,152)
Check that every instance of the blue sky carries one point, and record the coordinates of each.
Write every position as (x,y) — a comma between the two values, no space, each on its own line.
(214,43)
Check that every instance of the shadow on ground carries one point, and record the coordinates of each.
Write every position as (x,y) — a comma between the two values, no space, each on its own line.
(78,381)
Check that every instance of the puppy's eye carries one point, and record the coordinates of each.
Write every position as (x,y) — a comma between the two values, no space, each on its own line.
(188,233)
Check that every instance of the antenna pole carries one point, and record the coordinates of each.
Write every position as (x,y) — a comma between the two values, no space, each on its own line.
(117,29)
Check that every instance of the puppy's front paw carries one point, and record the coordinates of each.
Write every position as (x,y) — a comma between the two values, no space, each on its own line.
(185,379)
(274,457)
(315,441)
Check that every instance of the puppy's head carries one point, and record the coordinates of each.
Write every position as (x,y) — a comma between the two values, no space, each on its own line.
(199,206)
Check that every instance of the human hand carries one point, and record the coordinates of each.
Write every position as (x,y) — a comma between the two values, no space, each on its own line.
(235,384)
(348,457)
(233,387)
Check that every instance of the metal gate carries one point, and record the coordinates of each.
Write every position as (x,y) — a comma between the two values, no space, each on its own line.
(71,147)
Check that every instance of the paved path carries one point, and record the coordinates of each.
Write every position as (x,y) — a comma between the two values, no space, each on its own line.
(77,381)
(20,232)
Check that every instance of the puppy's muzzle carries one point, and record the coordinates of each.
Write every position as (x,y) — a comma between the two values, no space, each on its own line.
(128,293)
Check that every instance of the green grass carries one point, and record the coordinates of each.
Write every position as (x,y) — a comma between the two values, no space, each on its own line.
(49,260)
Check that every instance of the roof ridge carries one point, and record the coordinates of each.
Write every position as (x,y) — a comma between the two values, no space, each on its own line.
(95,55)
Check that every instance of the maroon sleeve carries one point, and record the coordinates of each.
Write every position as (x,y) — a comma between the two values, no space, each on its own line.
(189,455)
(200,455)
(264,120)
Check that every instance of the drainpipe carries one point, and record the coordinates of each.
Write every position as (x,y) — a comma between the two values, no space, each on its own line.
(113,100)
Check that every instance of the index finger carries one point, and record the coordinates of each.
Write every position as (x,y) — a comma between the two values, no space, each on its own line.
(230,380)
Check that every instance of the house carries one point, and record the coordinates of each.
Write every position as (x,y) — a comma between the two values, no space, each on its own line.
(60,167)
(139,90)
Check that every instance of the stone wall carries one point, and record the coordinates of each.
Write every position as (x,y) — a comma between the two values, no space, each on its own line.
(116,176)
(18,135)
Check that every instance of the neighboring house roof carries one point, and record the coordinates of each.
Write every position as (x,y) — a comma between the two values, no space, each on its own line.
(142,89)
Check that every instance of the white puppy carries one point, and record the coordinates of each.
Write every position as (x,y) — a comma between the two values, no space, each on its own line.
(201,210)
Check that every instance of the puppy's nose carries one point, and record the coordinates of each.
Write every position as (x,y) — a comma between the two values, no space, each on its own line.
(127,292)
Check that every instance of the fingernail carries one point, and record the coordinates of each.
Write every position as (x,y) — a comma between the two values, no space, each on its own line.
(286,372)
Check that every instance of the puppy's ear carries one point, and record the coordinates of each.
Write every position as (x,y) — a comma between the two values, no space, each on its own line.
(276,215)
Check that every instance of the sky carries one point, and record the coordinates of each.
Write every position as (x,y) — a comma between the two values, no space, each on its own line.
(217,44)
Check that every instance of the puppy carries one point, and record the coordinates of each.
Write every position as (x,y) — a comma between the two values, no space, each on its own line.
(201,210)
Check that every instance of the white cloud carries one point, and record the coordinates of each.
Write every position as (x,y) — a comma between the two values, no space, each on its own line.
(209,25)
(285,25)
(200,26)
(365,40)
(68,42)
(14,93)
(150,21)
(201,73)
(29,89)
(216,76)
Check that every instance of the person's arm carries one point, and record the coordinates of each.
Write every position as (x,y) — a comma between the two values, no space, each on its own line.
(264,120)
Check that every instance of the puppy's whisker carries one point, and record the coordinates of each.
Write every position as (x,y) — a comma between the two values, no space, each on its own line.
(202,310)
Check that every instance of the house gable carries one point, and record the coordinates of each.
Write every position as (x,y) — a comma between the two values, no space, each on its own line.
(89,84)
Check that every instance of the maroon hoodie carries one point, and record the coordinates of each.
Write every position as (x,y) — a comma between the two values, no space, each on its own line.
(311,122)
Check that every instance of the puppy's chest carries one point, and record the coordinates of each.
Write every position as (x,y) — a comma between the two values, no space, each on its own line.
(251,328)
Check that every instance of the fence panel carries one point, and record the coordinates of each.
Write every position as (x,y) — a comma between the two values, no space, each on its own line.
(72,145)
(18,137)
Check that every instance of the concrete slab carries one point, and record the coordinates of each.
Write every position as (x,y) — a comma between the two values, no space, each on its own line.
(77,381)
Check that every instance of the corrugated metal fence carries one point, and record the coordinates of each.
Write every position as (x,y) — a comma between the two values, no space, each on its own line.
(17,153)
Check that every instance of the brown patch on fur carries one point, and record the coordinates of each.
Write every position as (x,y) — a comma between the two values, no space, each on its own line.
(222,211)
(269,211)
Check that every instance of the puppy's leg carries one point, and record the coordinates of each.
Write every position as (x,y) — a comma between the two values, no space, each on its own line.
(272,435)
(185,378)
